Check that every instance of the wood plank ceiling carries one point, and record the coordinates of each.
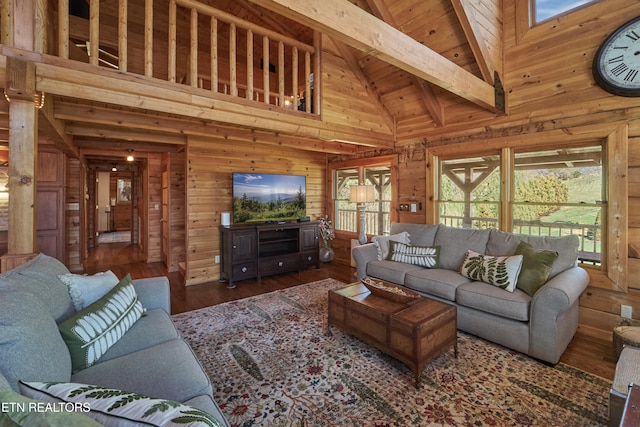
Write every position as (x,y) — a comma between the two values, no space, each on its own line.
(464,36)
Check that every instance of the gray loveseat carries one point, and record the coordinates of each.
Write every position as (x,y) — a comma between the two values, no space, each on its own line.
(541,325)
(150,358)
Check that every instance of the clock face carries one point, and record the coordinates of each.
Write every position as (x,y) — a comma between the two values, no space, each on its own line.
(616,66)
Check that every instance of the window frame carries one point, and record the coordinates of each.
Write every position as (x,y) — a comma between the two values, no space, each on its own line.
(361,165)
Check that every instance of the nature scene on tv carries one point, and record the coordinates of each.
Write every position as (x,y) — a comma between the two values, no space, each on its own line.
(267,197)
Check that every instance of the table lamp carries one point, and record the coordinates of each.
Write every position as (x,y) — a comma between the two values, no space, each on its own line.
(362,194)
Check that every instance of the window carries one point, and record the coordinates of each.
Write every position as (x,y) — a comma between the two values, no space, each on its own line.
(560,192)
(378,213)
(470,192)
(554,192)
(541,10)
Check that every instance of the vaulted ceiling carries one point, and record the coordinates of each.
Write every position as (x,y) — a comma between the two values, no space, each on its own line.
(416,60)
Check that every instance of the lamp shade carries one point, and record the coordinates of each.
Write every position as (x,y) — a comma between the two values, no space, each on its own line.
(362,193)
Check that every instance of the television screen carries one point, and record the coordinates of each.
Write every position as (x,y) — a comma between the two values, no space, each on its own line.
(259,197)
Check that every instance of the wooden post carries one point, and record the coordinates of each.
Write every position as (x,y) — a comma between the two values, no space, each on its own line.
(122,35)
(148,38)
(294,77)
(232,60)
(249,94)
(23,152)
(63,29)
(265,67)
(281,73)
(214,54)
(172,41)
(193,60)
(94,32)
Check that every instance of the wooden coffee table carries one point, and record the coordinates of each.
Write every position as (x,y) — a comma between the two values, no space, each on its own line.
(414,333)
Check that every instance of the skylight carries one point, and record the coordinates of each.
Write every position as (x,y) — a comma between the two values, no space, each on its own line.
(546,9)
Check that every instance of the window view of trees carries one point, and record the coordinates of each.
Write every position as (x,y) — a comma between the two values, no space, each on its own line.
(377,213)
(554,193)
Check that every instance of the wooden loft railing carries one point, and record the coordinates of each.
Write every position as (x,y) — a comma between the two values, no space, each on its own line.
(205,66)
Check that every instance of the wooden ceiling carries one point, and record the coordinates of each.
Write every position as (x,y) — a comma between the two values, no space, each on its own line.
(449,55)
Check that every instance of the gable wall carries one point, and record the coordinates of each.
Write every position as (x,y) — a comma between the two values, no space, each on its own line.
(550,92)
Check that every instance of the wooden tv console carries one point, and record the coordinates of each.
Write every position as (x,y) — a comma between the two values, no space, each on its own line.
(255,250)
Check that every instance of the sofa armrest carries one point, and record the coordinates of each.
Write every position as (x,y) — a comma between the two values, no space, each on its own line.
(561,291)
(363,254)
(154,292)
(554,314)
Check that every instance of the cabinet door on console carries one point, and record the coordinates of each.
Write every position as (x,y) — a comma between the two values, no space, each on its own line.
(309,238)
(309,244)
(243,246)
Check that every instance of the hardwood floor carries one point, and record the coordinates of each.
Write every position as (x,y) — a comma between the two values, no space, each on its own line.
(584,352)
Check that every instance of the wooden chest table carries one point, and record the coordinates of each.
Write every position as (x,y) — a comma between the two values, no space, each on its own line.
(414,333)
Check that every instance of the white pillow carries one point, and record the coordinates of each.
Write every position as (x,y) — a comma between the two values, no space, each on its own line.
(117,408)
(500,271)
(382,243)
(85,290)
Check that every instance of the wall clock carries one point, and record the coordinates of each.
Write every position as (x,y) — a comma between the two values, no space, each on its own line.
(616,66)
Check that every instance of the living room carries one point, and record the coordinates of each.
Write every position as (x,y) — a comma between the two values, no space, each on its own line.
(373,106)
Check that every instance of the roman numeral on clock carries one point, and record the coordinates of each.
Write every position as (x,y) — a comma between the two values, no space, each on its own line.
(631,75)
(618,58)
(633,35)
(619,69)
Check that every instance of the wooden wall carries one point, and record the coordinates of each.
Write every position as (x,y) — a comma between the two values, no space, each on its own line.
(552,99)
(74,201)
(178,208)
(210,163)
(153,187)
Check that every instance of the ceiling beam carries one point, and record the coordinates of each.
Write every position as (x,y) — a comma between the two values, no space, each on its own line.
(473,32)
(425,92)
(344,21)
(102,116)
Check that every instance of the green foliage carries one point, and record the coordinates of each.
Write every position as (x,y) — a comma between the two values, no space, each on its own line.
(540,189)
(249,210)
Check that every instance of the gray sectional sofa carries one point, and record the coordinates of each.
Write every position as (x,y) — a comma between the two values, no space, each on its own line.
(540,325)
(150,358)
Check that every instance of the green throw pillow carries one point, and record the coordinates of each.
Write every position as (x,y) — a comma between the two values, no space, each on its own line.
(500,271)
(536,266)
(424,256)
(92,331)
(18,410)
(118,408)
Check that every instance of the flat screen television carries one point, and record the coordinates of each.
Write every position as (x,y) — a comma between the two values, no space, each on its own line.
(260,197)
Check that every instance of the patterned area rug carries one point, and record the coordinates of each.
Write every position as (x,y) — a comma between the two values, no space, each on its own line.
(272,363)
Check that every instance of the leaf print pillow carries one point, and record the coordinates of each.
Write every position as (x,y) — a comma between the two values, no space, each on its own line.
(500,271)
(117,408)
(92,331)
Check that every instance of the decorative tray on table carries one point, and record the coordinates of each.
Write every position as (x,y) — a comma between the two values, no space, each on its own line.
(389,290)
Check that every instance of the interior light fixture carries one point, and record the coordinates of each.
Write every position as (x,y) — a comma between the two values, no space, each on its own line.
(113,167)
(130,156)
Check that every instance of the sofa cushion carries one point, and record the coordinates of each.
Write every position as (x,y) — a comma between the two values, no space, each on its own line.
(503,243)
(155,327)
(500,271)
(173,361)
(437,282)
(92,331)
(424,256)
(382,243)
(421,234)
(39,277)
(85,290)
(536,266)
(566,246)
(390,271)
(30,343)
(18,410)
(119,408)
(490,299)
(454,243)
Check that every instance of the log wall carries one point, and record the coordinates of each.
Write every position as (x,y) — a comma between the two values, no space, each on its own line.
(552,100)
(210,163)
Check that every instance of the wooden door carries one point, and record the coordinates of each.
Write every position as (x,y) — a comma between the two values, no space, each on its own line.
(50,213)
